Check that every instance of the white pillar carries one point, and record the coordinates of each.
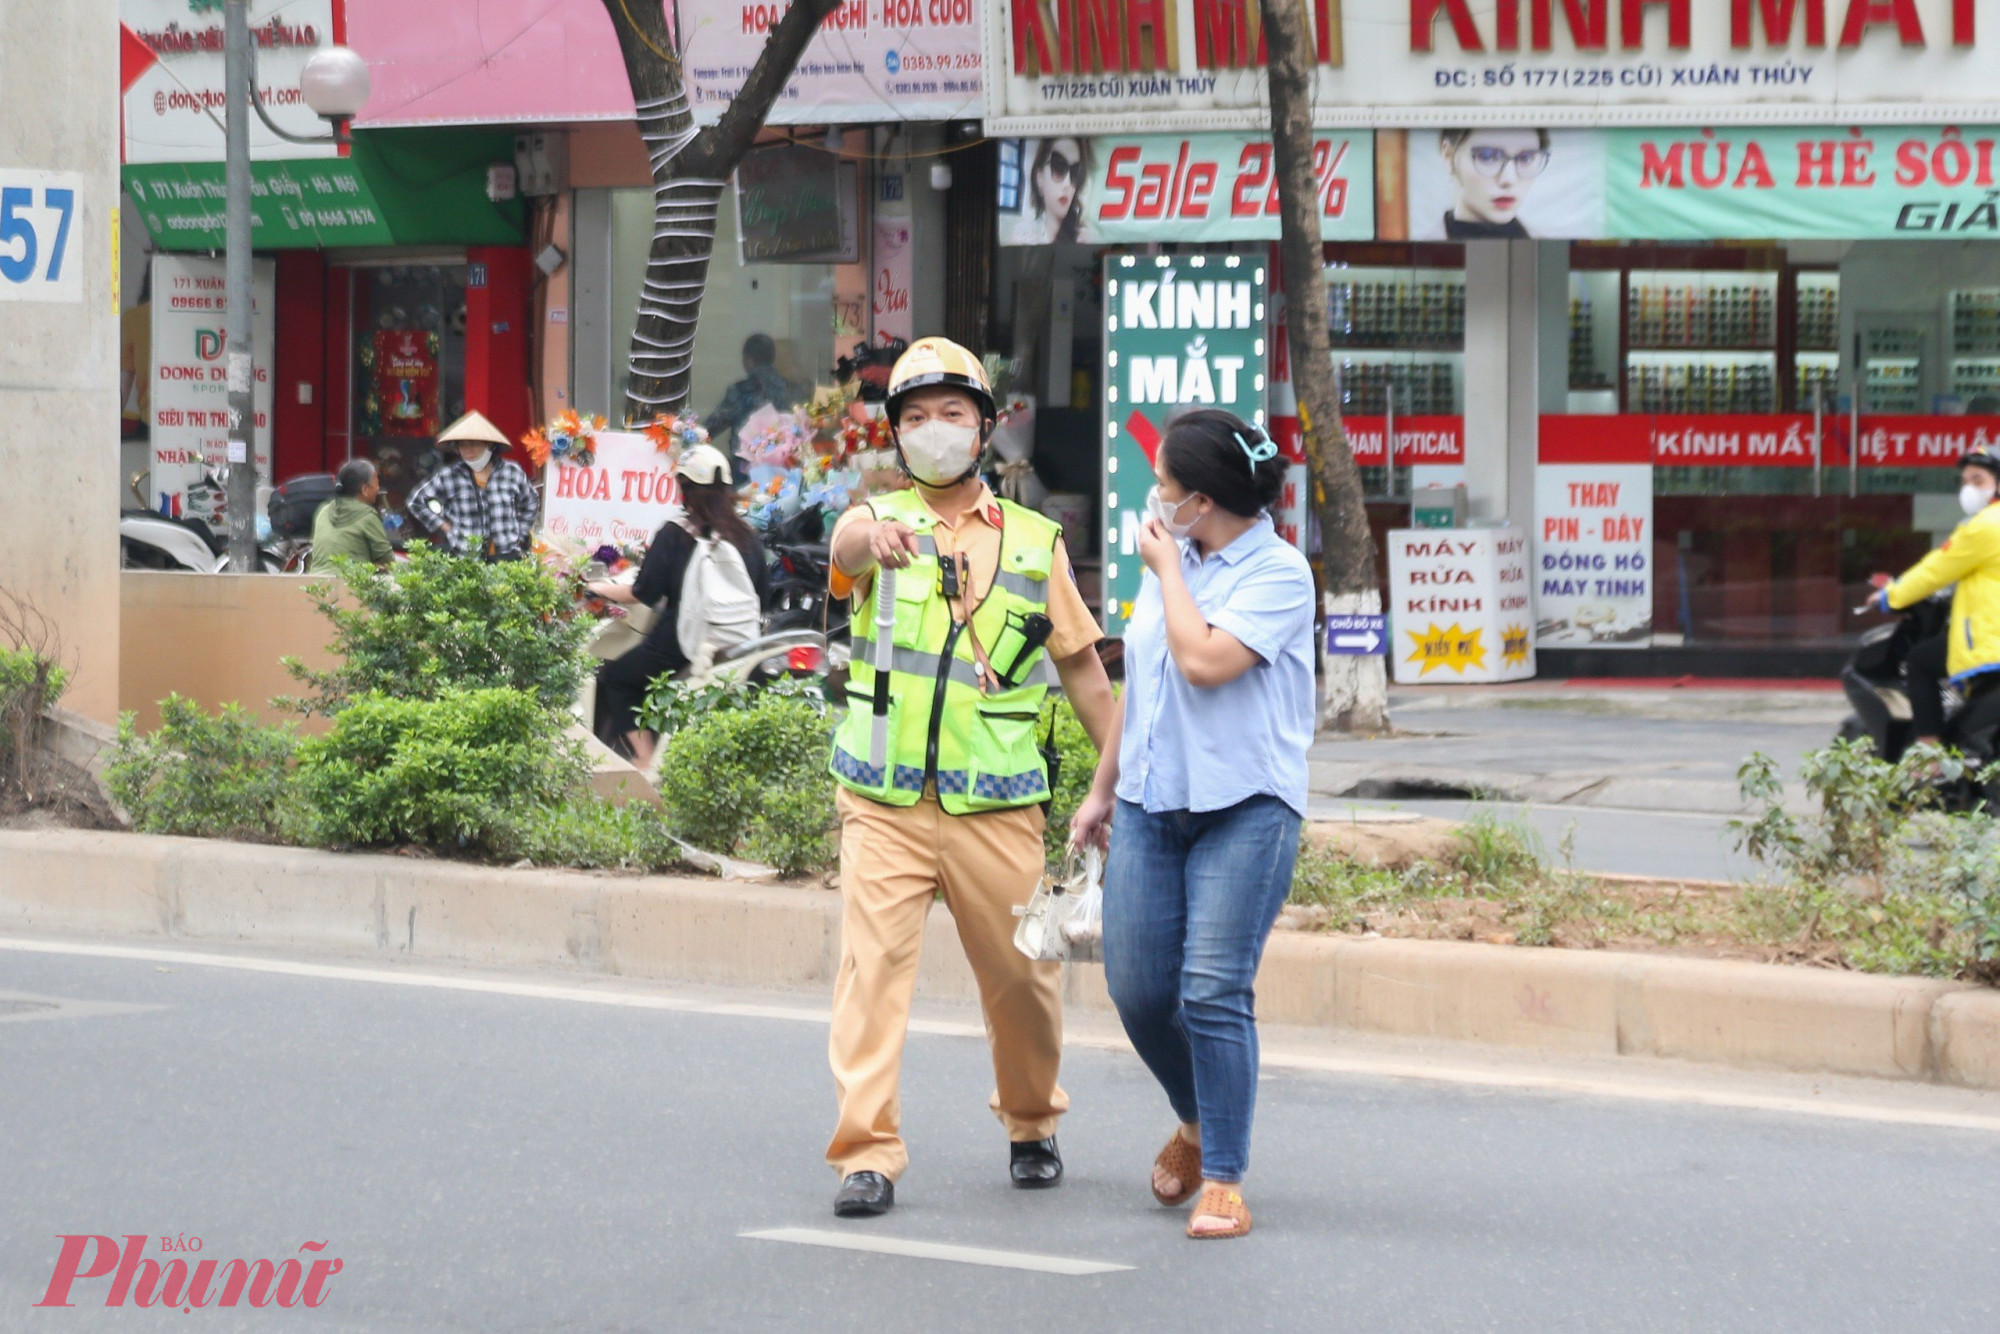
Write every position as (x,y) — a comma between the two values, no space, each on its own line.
(1488,370)
(59,360)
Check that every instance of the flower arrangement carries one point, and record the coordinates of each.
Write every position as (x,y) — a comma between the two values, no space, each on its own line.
(576,567)
(568,438)
(674,433)
(778,440)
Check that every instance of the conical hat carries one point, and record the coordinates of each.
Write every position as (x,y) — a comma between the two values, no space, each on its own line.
(472,426)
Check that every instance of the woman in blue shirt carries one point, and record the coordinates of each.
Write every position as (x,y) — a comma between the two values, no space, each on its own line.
(1201,794)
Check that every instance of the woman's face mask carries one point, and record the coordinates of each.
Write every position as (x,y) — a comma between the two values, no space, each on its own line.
(477,462)
(939,453)
(1974,497)
(1169,515)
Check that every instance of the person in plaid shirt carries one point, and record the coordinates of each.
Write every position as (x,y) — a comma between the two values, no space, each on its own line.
(482,505)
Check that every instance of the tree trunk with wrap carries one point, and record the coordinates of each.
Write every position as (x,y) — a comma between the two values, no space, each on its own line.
(690,169)
(1356,686)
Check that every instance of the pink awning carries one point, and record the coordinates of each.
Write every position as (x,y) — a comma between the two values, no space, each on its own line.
(467,62)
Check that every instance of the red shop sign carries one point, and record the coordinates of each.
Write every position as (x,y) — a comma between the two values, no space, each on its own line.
(1421,440)
(1773,440)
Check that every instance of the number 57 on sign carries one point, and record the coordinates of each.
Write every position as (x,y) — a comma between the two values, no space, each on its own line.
(37,210)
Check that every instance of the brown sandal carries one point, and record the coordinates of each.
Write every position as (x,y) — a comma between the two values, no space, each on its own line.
(1181,1161)
(1220,1201)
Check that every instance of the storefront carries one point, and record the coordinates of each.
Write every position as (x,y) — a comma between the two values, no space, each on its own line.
(391,281)
(1717,354)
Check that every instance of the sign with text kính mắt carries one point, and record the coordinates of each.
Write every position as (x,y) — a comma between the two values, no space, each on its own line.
(1180,331)
(1116,189)
(1459,606)
(623,497)
(1084,66)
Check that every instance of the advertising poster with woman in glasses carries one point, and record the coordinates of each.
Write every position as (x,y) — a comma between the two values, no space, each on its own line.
(1051,192)
(1471,184)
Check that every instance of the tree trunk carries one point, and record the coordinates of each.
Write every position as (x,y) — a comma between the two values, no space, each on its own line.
(1356,686)
(690,171)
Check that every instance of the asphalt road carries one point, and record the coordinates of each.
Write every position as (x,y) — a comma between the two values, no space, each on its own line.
(489,1161)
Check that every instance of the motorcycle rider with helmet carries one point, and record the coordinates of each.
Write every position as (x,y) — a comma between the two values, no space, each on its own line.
(1969,558)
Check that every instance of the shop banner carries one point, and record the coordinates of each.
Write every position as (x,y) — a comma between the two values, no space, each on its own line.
(1459,607)
(1594,555)
(1670,183)
(1132,189)
(190,402)
(173,90)
(1180,331)
(406,381)
(1143,64)
(623,497)
(1775,440)
(1912,182)
(1420,441)
(873,60)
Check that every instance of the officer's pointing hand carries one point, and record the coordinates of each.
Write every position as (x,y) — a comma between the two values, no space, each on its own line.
(892,544)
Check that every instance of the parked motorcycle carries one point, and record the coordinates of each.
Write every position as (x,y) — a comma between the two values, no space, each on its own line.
(149,540)
(1878,692)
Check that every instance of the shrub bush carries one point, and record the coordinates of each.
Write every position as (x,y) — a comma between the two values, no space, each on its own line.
(440,623)
(672,704)
(588,831)
(466,769)
(227,776)
(753,781)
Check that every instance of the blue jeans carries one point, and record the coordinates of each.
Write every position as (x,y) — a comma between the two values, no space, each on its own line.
(1188,904)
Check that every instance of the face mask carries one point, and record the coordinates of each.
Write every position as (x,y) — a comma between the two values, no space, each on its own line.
(939,453)
(478,462)
(1167,514)
(1973,498)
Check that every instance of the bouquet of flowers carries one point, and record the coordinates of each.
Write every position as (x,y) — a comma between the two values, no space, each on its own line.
(674,433)
(568,438)
(576,567)
(773,439)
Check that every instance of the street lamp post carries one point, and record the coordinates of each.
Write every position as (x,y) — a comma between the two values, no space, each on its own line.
(334,85)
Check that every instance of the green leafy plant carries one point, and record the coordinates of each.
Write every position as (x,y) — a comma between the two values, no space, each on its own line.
(589,831)
(672,704)
(441,622)
(1499,856)
(1077,769)
(467,768)
(753,781)
(226,776)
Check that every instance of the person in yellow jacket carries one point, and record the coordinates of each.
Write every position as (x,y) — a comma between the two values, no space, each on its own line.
(961,601)
(1969,558)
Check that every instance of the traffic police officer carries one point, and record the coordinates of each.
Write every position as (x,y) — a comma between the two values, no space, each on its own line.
(960,597)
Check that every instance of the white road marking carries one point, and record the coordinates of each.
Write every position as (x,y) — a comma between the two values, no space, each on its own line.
(932,1250)
(1439,1072)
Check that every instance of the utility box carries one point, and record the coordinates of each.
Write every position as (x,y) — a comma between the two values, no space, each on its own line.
(1438,507)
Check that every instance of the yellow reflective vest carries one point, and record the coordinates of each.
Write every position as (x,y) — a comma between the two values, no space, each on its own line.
(975,748)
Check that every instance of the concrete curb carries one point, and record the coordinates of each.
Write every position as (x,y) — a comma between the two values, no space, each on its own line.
(716,932)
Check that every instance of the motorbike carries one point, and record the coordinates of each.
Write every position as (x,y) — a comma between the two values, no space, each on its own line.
(1878,693)
(149,540)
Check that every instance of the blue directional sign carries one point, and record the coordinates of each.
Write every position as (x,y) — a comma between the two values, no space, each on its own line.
(1359,634)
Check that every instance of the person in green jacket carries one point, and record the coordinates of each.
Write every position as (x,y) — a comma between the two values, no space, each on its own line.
(348,525)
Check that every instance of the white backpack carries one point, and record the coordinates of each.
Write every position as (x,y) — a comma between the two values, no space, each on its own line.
(718,603)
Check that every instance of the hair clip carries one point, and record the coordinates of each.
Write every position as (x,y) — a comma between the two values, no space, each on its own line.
(1260,452)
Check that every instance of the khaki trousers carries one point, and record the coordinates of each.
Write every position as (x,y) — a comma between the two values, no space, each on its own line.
(893,860)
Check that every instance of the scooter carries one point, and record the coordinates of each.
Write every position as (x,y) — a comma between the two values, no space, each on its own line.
(149,540)
(1878,692)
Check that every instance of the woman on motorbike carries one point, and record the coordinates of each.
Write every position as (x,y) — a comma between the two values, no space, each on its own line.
(1969,558)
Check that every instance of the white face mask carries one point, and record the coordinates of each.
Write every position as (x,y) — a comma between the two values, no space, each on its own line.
(477,462)
(1973,498)
(939,453)
(1168,514)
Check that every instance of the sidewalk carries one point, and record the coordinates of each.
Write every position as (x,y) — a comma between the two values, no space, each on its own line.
(1633,747)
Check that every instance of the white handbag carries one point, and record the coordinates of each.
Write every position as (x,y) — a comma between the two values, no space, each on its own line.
(1064,919)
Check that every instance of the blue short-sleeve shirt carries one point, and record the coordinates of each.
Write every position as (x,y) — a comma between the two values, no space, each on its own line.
(1191,749)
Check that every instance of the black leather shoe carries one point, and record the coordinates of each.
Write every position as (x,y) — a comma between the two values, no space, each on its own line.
(866,1194)
(1036,1164)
